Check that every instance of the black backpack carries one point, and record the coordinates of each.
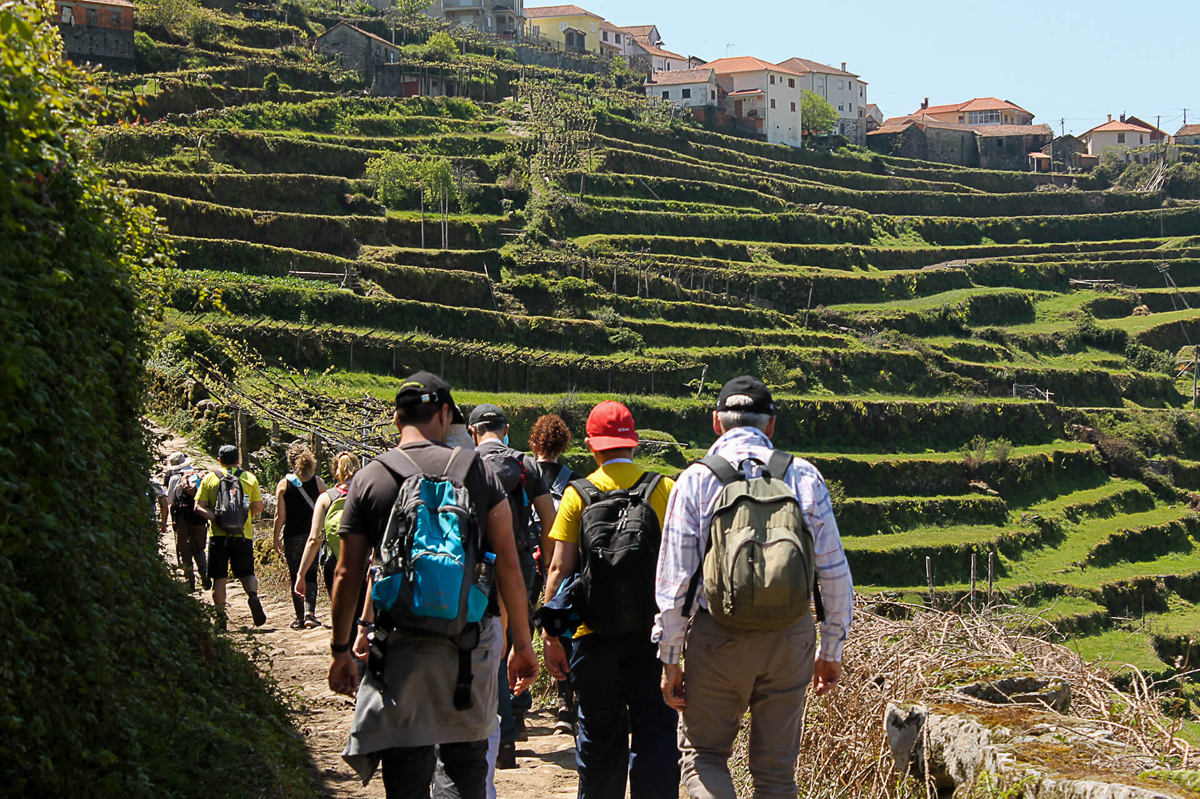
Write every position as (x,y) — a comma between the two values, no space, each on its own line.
(619,537)
(183,508)
(231,508)
(509,466)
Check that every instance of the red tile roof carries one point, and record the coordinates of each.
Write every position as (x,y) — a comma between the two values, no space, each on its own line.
(544,12)
(804,65)
(746,92)
(978,104)
(120,3)
(638,31)
(746,63)
(677,76)
(661,53)
(368,34)
(1188,130)
(1116,126)
(992,131)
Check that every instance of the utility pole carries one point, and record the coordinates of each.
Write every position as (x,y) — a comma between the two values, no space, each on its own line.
(1062,126)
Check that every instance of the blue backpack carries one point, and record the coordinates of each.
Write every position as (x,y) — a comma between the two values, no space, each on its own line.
(429,559)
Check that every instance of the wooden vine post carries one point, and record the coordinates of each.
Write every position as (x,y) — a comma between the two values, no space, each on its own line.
(929,577)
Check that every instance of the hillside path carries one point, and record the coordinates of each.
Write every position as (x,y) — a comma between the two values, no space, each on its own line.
(299,660)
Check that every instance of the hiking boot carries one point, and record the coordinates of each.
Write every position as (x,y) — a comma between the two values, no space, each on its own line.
(506,757)
(522,730)
(297,624)
(256,610)
(311,621)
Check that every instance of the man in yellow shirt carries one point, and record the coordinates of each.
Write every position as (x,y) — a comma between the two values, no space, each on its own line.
(608,528)
(231,549)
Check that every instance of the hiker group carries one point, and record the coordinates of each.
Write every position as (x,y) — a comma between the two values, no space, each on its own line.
(667,609)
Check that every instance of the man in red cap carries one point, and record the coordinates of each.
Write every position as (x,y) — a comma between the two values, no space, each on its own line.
(608,529)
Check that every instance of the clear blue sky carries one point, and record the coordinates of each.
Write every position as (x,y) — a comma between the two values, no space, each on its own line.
(1057,59)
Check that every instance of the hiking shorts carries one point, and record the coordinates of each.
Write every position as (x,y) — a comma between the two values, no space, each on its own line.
(226,553)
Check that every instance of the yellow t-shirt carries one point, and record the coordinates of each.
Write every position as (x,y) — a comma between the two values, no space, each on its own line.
(207,493)
(608,477)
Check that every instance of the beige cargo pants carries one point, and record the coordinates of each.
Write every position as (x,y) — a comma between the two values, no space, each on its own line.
(727,671)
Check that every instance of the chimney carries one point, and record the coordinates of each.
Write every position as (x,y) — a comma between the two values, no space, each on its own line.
(843,66)
(1110,117)
(925,104)
(1122,117)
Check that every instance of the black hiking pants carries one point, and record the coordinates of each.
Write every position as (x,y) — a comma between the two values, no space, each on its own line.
(293,553)
(408,771)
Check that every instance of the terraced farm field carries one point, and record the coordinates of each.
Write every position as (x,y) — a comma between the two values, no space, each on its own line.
(980,362)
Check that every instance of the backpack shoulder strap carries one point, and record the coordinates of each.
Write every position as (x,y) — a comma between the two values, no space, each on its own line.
(459,465)
(647,484)
(724,471)
(778,464)
(560,482)
(401,463)
(587,492)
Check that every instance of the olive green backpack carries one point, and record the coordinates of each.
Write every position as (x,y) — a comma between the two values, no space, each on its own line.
(759,568)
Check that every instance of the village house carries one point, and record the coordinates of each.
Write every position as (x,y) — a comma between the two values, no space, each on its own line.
(1068,154)
(1123,138)
(1010,146)
(843,90)
(693,88)
(97,32)
(568,28)
(1188,134)
(987,146)
(763,97)
(357,49)
(874,117)
(503,18)
(977,113)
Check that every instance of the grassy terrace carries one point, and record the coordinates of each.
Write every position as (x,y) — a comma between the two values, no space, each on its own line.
(891,304)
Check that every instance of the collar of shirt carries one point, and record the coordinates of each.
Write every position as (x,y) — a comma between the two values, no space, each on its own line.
(615,460)
(740,439)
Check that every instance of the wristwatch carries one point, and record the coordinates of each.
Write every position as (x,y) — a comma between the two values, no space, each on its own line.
(366,625)
(338,649)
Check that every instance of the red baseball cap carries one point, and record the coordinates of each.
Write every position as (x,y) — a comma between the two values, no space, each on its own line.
(610,426)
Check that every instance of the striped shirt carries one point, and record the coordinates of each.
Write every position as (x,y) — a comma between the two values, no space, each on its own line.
(685,540)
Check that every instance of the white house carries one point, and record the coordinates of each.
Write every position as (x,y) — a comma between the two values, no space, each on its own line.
(1119,136)
(845,91)
(765,97)
(693,88)
(503,18)
(661,60)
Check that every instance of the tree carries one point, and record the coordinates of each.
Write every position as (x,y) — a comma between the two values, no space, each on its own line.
(441,47)
(271,85)
(404,12)
(816,114)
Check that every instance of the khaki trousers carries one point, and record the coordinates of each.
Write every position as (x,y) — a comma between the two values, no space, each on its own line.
(727,671)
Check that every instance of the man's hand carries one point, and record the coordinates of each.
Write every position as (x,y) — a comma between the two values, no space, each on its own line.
(826,674)
(672,686)
(522,667)
(343,674)
(555,657)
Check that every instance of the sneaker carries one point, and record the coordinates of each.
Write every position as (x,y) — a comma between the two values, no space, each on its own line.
(506,757)
(297,624)
(311,622)
(256,610)
(564,727)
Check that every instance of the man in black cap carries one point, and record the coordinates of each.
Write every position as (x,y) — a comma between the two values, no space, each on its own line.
(410,719)
(749,649)
(526,489)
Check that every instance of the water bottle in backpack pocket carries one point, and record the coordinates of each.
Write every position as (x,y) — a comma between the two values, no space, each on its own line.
(619,538)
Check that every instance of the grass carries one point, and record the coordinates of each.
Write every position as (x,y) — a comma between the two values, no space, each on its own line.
(1087,496)
(952,535)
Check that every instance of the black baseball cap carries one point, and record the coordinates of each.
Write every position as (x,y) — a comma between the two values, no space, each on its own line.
(486,413)
(423,387)
(751,387)
(228,454)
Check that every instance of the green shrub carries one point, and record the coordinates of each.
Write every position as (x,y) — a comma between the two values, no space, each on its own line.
(441,47)
(115,683)
(271,85)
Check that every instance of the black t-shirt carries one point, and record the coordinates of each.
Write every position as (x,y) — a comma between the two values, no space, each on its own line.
(298,521)
(373,491)
(552,470)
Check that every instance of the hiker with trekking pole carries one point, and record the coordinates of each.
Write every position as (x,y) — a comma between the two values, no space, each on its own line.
(749,534)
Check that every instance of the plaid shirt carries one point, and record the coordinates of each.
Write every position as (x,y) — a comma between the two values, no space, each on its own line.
(685,540)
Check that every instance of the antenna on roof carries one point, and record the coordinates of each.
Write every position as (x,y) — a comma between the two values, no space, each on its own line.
(727,46)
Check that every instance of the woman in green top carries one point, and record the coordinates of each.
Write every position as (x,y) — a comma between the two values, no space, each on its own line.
(325,522)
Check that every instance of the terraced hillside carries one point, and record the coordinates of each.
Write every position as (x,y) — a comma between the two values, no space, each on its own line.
(980,363)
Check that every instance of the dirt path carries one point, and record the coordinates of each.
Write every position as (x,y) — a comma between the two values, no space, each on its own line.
(299,661)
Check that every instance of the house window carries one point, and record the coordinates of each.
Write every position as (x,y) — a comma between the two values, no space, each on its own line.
(793,106)
(666,94)
(92,18)
(772,103)
(1194,141)
(604,35)
(1141,139)
(116,19)
(537,30)
(686,94)
(593,27)
(841,84)
(562,26)
(982,118)
(791,83)
(851,108)
(617,38)
(714,96)
(1120,138)
(772,80)
(999,144)
(841,106)
(67,17)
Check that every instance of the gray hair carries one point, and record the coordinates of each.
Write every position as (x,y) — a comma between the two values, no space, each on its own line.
(732,418)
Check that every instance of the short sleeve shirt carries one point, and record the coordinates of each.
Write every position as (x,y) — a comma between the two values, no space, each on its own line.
(208,495)
(535,484)
(374,490)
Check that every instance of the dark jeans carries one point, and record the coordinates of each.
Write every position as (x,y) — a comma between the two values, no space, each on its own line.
(616,680)
(512,707)
(408,771)
(293,552)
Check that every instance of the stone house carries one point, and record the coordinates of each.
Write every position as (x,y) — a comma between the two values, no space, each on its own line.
(1065,153)
(1009,146)
(694,88)
(358,50)
(1188,134)
(843,90)
(97,32)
